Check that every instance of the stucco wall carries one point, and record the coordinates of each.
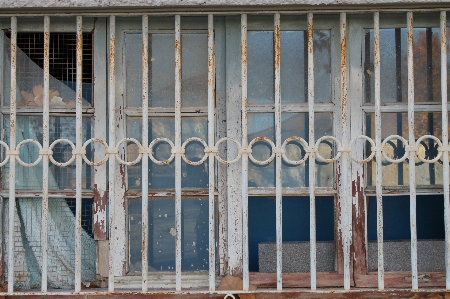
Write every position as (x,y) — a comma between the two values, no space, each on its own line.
(11,4)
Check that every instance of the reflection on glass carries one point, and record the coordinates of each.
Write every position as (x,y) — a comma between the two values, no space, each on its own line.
(296,124)
(294,66)
(396,124)
(163,176)
(161,224)
(194,82)
(394,66)
(30,127)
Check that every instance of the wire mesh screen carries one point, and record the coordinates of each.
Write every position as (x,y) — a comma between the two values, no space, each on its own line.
(61,236)
(62,69)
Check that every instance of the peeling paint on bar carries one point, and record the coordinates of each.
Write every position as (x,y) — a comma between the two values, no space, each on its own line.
(178,152)
(412,152)
(79,158)
(12,159)
(112,140)
(245,255)
(45,159)
(145,155)
(379,170)
(312,164)
(211,164)
(445,153)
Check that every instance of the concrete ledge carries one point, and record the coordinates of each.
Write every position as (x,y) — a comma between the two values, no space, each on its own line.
(296,257)
(397,255)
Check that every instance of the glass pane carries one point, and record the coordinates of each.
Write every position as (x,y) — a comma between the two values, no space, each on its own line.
(394,67)
(396,124)
(296,124)
(262,233)
(30,127)
(163,176)
(61,238)
(194,59)
(261,125)
(294,66)
(161,249)
(62,69)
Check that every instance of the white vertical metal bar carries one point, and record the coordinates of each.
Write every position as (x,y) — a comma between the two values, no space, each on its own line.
(112,142)
(379,170)
(443,25)
(45,157)
(312,164)
(412,153)
(12,161)
(178,151)
(79,158)
(145,154)
(244,156)
(211,144)
(346,209)
(278,162)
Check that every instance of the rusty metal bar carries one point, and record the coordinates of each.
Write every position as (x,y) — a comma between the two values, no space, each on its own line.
(211,144)
(112,141)
(245,263)
(12,161)
(79,158)
(278,162)
(412,152)
(178,152)
(379,170)
(445,168)
(347,208)
(45,157)
(312,164)
(145,154)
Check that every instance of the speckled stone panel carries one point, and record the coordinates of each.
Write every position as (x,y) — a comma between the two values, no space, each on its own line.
(296,257)
(397,255)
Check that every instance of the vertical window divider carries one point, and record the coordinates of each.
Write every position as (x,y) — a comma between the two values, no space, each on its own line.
(379,170)
(211,143)
(412,152)
(244,108)
(45,158)
(312,164)
(145,154)
(79,145)
(12,161)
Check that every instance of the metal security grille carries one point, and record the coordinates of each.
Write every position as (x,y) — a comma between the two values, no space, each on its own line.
(347,150)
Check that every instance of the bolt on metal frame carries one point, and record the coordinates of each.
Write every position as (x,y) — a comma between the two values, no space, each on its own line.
(343,148)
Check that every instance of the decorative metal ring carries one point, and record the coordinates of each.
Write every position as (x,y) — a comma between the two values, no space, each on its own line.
(150,151)
(99,140)
(302,142)
(319,156)
(139,157)
(389,138)
(229,296)
(62,164)
(3,163)
(372,144)
(23,142)
(203,159)
(238,155)
(272,156)
(439,155)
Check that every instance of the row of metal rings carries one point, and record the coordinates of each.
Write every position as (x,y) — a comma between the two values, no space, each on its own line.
(215,152)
